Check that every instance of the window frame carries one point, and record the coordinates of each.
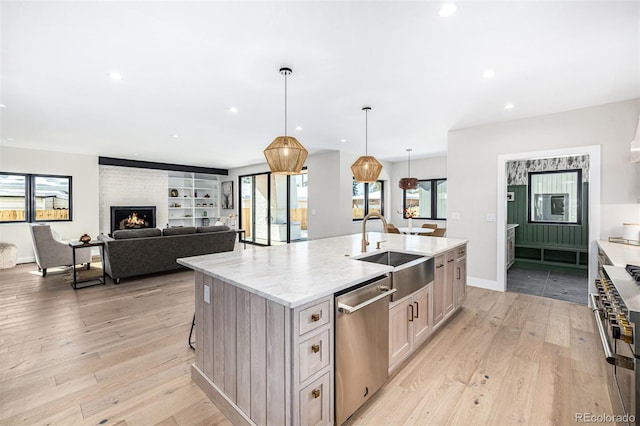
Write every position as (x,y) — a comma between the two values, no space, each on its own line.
(434,200)
(366,199)
(30,197)
(579,187)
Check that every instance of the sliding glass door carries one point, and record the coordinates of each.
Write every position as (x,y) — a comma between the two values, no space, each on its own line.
(273,208)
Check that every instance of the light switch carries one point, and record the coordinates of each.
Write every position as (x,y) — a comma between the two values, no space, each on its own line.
(491,217)
(313,211)
(455,215)
(207,294)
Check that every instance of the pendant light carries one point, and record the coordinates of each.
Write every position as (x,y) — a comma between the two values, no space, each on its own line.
(366,169)
(285,155)
(408,182)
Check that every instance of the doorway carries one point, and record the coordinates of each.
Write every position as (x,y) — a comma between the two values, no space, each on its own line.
(273,208)
(593,197)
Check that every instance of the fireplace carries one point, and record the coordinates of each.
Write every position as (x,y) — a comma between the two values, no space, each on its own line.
(132,217)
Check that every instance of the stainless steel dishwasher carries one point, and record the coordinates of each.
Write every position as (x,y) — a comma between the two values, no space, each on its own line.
(362,344)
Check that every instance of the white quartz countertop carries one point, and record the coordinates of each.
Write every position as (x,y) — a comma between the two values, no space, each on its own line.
(299,273)
(621,254)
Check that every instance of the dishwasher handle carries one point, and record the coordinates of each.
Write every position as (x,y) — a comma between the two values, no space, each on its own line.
(351,309)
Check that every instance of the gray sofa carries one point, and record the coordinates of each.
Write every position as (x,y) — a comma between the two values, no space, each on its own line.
(132,252)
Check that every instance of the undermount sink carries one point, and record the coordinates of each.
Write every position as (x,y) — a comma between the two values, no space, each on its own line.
(410,272)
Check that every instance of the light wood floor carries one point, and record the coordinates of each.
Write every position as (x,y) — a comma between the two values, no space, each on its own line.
(119,355)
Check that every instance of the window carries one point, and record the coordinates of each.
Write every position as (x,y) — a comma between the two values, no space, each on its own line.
(555,197)
(34,198)
(367,198)
(427,201)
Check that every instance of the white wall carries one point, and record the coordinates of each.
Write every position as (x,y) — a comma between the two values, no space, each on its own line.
(128,186)
(472,171)
(84,171)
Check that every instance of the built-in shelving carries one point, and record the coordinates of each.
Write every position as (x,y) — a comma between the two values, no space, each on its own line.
(194,199)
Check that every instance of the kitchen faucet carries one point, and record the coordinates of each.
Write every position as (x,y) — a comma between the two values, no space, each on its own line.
(365,243)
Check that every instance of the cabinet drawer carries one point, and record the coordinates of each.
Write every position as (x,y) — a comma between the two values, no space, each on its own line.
(314,354)
(461,251)
(314,317)
(314,402)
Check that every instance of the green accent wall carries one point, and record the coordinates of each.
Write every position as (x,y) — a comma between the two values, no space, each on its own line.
(549,246)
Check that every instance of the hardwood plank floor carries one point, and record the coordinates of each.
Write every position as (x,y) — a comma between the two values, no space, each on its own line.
(119,355)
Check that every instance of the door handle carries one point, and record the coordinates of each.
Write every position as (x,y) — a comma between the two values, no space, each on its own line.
(410,312)
(351,309)
(458,272)
(417,309)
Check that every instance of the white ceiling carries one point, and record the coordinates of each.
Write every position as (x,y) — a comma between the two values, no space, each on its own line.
(184,64)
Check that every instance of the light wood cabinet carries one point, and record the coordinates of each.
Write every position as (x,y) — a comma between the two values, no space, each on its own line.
(448,282)
(409,324)
(261,362)
(438,289)
(460,279)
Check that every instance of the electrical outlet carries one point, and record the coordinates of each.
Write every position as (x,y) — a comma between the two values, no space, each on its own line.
(207,294)
(491,217)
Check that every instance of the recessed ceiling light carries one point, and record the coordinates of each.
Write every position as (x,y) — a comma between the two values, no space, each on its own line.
(488,73)
(174,135)
(233,109)
(9,139)
(135,154)
(343,140)
(3,106)
(298,127)
(509,106)
(116,76)
(447,10)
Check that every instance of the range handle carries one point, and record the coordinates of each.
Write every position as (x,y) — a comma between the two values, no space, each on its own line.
(612,358)
(351,309)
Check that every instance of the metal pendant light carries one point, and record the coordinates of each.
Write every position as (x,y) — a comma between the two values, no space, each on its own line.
(285,155)
(408,182)
(366,169)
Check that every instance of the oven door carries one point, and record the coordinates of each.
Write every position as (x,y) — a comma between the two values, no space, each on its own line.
(621,372)
(625,381)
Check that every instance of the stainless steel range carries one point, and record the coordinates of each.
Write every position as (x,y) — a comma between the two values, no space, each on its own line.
(616,307)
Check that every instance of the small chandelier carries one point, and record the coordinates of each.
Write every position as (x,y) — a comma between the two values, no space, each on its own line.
(366,169)
(408,182)
(285,155)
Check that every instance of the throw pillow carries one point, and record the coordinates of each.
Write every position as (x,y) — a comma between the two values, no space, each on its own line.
(201,229)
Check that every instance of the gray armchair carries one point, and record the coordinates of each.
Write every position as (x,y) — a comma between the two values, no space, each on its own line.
(51,251)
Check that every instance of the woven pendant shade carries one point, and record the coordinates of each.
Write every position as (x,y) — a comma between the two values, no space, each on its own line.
(366,169)
(408,183)
(285,156)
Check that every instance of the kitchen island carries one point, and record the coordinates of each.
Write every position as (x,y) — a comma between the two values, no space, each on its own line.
(265,320)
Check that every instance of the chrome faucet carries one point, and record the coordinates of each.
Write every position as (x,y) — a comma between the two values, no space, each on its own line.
(365,243)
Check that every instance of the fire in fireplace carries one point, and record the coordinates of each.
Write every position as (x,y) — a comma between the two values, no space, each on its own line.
(132,217)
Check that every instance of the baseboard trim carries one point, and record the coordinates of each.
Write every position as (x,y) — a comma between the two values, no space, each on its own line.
(26,259)
(482,283)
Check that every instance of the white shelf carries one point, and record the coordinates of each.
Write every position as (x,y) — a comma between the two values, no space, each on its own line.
(194,186)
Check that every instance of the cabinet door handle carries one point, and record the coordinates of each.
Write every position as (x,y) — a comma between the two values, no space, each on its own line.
(315,317)
(315,393)
(315,349)
(440,265)
(410,311)
(417,309)
(450,260)
(458,272)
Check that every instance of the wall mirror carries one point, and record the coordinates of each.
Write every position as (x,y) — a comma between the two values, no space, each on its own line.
(555,197)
